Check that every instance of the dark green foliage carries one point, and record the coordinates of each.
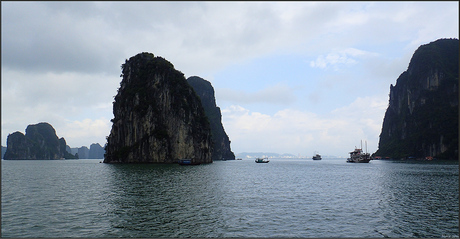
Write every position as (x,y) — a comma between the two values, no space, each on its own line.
(442,55)
(43,132)
(422,116)
(154,95)
(16,146)
(123,152)
(160,133)
(142,77)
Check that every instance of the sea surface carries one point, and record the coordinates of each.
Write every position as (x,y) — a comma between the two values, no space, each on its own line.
(239,198)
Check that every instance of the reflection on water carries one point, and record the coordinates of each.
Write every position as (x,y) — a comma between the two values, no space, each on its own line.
(418,199)
(284,198)
(163,201)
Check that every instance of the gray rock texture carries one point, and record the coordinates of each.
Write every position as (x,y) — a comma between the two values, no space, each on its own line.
(221,142)
(422,115)
(39,142)
(158,118)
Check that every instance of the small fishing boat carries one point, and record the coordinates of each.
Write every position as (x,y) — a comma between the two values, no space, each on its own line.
(187,162)
(262,160)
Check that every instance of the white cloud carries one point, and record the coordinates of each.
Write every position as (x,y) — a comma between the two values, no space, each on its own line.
(77,133)
(86,132)
(61,60)
(347,57)
(63,93)
(30,98)
(45,37)
(294,131)
(278,94)
(93,36)
(367,114)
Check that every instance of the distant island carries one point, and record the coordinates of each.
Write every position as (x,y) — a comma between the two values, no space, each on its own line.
(95,151)
(161,117)
(39,142)
(3,151)
(250,155)
(421,121)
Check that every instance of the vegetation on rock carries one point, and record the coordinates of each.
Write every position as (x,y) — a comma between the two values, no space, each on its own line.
(422,116)
(39,142)
(158,118)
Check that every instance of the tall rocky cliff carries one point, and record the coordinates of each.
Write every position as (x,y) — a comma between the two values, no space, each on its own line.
(221,142)
(158,118)
(422,116)
(39,142)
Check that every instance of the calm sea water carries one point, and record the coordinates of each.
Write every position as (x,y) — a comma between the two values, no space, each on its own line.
(284,198)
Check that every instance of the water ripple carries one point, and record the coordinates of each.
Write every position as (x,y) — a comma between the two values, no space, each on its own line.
(285,198)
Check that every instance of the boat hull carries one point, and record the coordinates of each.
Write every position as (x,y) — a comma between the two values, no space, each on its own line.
(316,156)
(262,160)
(358,156)
(187,162)
(358,161)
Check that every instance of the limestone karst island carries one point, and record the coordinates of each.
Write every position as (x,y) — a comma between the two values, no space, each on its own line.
(39,142)
(159,118)
(421,121)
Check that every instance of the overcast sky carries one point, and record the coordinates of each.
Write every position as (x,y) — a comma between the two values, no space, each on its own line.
(289,77)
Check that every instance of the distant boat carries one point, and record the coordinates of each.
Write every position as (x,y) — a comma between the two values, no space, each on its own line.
(316,157)
(358,156)
(262,160)
(239,159)
(187,162)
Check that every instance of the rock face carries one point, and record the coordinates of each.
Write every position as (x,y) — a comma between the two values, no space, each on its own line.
(83,152)
(3,151)
(39,142)
(221,142)
(158,118)
(96,151)
(422,116)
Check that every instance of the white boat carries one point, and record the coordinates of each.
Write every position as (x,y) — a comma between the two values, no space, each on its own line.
(358,156)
